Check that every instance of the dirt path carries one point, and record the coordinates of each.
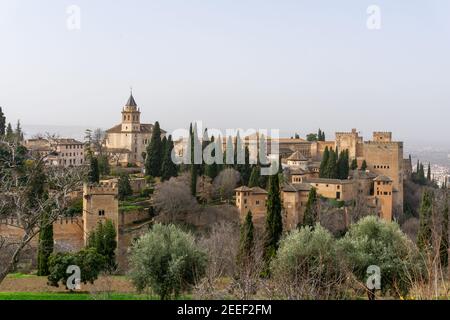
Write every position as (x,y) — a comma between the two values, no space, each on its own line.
(39,284)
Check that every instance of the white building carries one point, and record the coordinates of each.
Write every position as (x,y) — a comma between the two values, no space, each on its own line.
(57,152)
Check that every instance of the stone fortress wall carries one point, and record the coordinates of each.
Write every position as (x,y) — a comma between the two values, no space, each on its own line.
(70,233)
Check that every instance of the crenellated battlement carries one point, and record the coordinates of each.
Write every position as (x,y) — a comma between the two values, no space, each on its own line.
(396,144)
(382,136)
(14,222)
(104,187)
(352,133)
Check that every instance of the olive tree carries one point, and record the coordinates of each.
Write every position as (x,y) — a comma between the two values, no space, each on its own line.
(308,266)
(167,261)
(376,242)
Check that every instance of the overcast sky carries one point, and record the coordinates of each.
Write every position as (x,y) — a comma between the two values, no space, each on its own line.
(291,65)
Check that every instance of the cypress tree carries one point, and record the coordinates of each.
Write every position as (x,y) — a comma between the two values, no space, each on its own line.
(429,172)
(211,170)
(194,167)
(103,165)
(321,135)
(163,147)
(444,245)
(364,166)
(124,186)
(280,166)
(205,143)
(354,165)
(2,123)
(245,169)
(323,165)
(246,242)
(422,179)
(93,174)
(417,169)
(229,154)
(424,234)
(169,168)
(45,245)
(263,181)
(343,165)
(263,161)
(218,153)
(331,167)
(154,153)
(310,214)
(9,133)
(254,177)
(18,133)
(36,193)
(274,222)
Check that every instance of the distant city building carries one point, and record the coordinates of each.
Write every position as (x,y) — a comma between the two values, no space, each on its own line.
(57,152)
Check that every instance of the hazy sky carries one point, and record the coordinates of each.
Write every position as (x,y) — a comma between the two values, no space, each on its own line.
(292,65)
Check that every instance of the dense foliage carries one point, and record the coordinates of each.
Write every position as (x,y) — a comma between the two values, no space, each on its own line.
(308,265)
(166,260)
(373,241)
(89,261)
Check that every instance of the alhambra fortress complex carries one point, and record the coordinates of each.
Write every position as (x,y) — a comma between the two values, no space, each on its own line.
(380,186)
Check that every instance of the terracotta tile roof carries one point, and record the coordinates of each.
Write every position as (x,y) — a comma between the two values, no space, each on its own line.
(383,178)
(254,190)
(329,181)
(295,187)
(297,156)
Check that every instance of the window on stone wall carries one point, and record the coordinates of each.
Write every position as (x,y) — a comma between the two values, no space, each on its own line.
(101,213)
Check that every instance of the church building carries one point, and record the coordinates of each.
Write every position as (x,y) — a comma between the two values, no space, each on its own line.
(126,143)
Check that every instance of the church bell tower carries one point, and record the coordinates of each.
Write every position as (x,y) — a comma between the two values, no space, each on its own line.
(131,116)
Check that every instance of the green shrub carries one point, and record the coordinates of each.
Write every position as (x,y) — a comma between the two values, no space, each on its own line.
(103,240)
(308,266)
(124,186)
(373,241)
(131,207)
(166,260)
(90,262)
(75,209)
(149,179)
(147,192)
